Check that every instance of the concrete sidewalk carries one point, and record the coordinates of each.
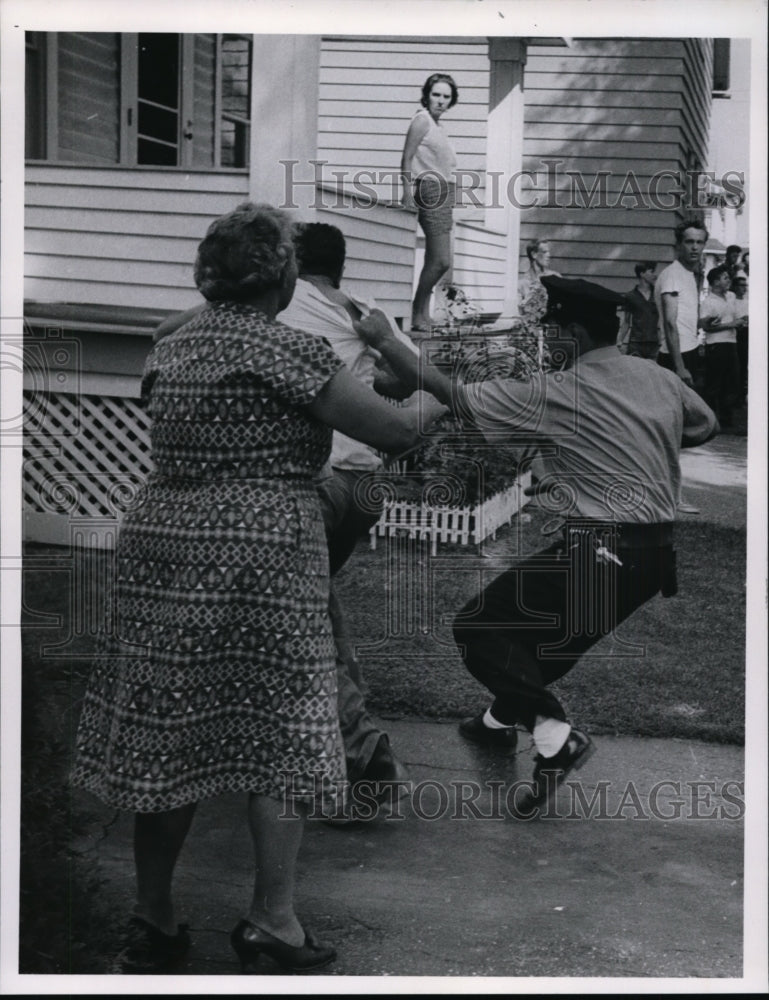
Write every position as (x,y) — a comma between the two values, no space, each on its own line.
(715,479)
(637,872)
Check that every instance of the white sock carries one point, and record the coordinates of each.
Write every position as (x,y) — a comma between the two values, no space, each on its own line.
(492,723)
(550,735)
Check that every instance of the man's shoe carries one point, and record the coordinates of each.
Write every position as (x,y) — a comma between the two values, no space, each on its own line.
(551,772)
(687,508)
(384,767)
(501,739)
(384,780)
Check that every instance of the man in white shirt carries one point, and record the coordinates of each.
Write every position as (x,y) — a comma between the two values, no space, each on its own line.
(349,501)
(740,289)
(676,294)
(719,320)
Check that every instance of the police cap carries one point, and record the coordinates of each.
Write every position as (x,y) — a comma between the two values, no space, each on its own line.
(574,299)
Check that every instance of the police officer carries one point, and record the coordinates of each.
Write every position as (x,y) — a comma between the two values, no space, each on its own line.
(610,428)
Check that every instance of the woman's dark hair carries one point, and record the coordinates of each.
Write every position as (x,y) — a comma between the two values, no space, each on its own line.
(244,253)
(645,265)
(430,83)
(534,247)
(320,249)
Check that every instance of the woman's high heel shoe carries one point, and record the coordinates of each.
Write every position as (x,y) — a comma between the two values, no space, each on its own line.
(250,941)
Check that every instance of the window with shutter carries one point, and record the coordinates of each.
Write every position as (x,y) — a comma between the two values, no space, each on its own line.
(139,99)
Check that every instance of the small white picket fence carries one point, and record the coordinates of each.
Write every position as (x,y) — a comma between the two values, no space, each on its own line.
(462,525)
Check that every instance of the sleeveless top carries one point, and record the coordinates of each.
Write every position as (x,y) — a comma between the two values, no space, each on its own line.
(434,154)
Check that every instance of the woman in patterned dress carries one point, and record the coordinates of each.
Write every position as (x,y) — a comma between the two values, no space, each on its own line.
(219,675)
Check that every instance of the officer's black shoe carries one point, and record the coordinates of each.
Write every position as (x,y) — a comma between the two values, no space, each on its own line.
(476,730)
(551,772)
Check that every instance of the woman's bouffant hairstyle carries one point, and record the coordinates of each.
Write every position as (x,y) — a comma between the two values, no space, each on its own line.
(243,254)
(430,83)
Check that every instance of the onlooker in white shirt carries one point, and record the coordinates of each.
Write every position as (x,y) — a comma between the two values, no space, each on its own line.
(718,319)
(740,289)
(677,296)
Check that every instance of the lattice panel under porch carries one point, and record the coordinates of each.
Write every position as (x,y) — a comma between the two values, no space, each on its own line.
(85,456)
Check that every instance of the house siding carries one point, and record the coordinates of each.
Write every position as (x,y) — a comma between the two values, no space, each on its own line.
(698,77)
(118,236)
(583,109)
(479,266)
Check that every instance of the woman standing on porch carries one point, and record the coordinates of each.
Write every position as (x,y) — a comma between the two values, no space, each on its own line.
(427,170)
(220,675)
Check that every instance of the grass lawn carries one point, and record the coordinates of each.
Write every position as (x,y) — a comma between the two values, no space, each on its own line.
(686,680)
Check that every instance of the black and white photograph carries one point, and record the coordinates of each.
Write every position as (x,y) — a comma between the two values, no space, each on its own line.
(383,541)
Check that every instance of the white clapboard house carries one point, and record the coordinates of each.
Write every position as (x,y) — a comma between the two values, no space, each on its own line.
(135,142)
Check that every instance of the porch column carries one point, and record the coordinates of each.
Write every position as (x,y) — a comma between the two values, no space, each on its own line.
(507,57)
(284,122)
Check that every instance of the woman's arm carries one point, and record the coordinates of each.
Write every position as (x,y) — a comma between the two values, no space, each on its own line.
(416,133)
(348,405)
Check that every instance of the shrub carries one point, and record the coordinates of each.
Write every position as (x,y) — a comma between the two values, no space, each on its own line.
(454,470)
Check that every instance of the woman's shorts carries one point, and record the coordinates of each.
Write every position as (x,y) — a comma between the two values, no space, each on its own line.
(434,198)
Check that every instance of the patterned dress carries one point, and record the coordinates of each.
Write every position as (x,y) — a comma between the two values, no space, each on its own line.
(219,673)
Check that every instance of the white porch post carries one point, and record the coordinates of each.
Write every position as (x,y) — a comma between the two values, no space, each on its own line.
(505,154)
(284,122)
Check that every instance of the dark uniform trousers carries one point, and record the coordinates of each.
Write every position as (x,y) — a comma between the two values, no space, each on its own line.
(531,624)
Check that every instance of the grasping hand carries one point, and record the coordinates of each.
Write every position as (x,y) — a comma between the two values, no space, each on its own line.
(374,329)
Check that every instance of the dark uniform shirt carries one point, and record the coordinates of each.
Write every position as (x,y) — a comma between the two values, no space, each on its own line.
(614,425)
